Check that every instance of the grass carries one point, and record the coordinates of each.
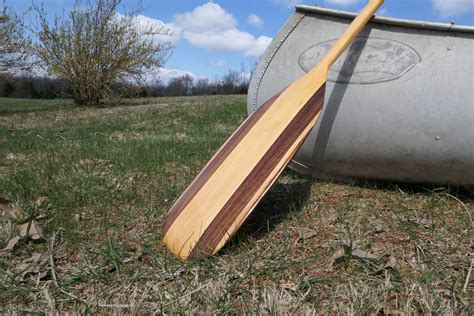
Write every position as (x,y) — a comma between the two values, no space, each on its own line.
(14,105)
(100,181)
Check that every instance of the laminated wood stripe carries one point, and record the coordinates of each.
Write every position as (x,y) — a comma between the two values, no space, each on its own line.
(214,163)
(221,224)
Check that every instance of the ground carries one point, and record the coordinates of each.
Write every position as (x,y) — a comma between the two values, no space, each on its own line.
(84,191)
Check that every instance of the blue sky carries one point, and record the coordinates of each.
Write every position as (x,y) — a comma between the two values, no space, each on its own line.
(212,37)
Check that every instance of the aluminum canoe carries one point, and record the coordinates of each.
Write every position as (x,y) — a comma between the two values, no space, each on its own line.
(399,103)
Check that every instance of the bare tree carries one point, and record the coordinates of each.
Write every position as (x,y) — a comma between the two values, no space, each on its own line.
(175,87)
(13,42)
(230,81)
(95,48)
(202,87)
(188,83)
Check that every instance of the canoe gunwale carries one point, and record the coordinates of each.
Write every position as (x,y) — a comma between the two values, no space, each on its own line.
(447,27)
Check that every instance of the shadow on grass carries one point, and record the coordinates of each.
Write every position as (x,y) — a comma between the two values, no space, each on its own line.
(287,196)
(463,193)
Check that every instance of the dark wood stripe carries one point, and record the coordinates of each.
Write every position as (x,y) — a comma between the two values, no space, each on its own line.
(242,196)
(214,163)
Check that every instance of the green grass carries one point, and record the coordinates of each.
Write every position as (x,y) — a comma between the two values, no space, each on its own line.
(100,181)
(14,105)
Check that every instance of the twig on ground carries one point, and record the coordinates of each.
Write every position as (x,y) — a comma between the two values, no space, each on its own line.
(114,306)
(463,205)
(468,277)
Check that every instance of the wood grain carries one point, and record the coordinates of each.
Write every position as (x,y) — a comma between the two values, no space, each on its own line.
(206,197)
(221,225)
(214,163)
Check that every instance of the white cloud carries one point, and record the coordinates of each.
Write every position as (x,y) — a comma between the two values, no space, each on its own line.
(229,40)
(207,17)
(169,73)
(255,20)
(218,63)
(171,33)
(342,2)
(259,46)
(449,8)
(210,27)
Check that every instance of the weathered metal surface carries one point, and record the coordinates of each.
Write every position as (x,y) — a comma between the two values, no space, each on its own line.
(401,100)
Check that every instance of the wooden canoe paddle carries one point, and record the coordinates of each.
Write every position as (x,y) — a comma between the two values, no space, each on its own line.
(229,187)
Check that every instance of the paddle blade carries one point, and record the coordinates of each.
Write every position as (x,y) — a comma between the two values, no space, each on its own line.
(222,196)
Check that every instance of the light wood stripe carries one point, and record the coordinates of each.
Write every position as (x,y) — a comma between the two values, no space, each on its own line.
(220,227)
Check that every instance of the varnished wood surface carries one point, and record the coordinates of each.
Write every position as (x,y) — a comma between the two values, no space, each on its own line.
(214,163)
(239,174)
(242,197)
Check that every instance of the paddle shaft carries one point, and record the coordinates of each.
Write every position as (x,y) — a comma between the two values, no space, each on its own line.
(222,196)
(349,34)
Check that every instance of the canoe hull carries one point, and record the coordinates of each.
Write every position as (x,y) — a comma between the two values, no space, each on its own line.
(399,104)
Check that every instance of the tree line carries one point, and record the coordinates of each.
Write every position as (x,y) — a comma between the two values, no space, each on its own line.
(36,87)
(93,54)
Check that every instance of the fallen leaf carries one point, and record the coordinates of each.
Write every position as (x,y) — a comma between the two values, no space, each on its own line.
(352,248)
(305,234)
(11,244)
(426,223)
(340,253)
(36,264)
(378,205)
(361,254)
(392,263)
(31,230)
(11,210)
(445,292)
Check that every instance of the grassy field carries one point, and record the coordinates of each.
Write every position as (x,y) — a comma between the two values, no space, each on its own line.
(13,105)
(84,192)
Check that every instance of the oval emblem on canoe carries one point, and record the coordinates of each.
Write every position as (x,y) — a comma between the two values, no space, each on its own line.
(366,61)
